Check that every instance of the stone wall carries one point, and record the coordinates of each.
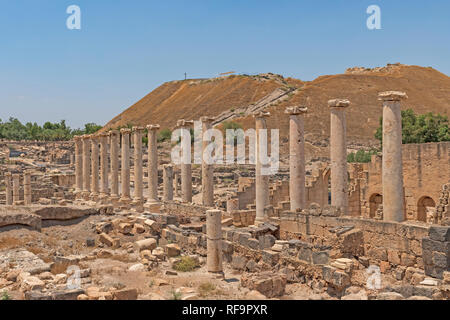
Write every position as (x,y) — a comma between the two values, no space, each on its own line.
(425,171)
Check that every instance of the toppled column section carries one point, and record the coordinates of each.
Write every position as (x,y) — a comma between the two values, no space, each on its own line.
(392,168)
(296,157)
(338,154)
(214,241)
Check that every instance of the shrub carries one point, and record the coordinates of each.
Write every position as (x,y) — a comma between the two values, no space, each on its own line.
(164,135)
(5,295)
(361,156)
(186,264)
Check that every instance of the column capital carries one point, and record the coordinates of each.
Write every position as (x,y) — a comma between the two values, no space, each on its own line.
(153,127)
(207,119)
(86,136)
(296,110)
(138,129)
(113,132)
(168,166)
(94,137)
(8,174)
(261,114)
(184,123)
(392,96)
(338,103)
(77,138)
(103,134)
(125,131)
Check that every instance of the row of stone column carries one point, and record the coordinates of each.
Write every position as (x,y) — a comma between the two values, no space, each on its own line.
(13,191)
(92,175)
(392,175)
(392,170)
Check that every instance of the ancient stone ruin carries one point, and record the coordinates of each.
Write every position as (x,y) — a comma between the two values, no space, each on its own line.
(106,217)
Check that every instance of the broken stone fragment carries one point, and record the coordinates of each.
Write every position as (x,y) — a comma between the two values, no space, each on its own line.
(146,244)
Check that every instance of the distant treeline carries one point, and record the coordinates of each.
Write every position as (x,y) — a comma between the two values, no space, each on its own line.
(13,129)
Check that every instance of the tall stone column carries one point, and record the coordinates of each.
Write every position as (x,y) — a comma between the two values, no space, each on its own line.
(297,193)
(214,241)
(262,180)
(114,142)
(168,183)
(9,199)
(338,154)
(152,165)
(125,172)
(27,196)
(104,181)
(392,169)
(207,169)
(86,166)
(138,197)
(94,168)
(186,166)
(78,164)
(16,189)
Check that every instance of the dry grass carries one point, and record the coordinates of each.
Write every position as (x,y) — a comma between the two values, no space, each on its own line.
(10,243)
(60,267)
(206,288)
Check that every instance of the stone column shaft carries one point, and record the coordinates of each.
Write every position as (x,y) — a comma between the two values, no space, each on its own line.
(138,197)
(94,167)
(125,171)
(152,164)
(176,175)
(9,199)
(214,241)
(78,164)
(114,141)
(27,196)
(104,181)
(338,154)
(207,169)
(297,192)
(392,167)
(168,183)
(16,188)
(261,180)
(186,166)
(86,165)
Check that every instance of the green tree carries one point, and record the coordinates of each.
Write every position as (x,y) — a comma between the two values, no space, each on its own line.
(421,128)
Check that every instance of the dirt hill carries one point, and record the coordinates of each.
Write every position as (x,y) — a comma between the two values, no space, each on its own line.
(237,97)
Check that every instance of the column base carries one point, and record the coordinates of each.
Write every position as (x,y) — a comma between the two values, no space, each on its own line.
(94,196)
(152,205)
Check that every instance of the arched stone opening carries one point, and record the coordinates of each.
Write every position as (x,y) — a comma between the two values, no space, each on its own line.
(375,201)
(426,209)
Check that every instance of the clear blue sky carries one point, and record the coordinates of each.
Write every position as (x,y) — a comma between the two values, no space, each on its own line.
(127,48)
